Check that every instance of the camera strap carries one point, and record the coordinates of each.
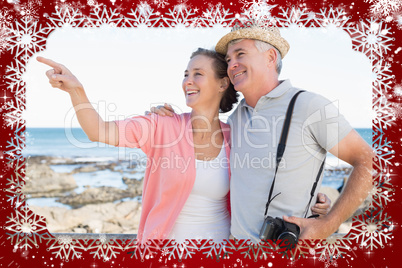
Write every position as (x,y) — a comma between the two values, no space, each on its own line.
(281,150)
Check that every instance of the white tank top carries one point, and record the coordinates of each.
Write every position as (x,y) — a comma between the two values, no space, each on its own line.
(205,214)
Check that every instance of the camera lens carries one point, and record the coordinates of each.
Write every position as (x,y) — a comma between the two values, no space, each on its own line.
(289,240)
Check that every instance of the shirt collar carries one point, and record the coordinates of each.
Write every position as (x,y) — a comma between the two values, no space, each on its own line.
(282,88)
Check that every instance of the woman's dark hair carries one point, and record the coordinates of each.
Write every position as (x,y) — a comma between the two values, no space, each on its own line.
(220,68)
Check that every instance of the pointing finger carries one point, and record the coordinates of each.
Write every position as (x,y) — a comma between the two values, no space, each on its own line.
(49,62)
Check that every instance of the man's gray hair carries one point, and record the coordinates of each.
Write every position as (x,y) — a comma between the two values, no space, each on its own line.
(262,47)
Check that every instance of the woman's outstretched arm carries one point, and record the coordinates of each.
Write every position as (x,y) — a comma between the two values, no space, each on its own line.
(93,125)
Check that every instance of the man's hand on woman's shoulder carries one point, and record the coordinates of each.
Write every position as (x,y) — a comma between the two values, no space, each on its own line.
(162,110)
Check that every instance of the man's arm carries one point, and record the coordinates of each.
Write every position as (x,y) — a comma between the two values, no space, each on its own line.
(355,151)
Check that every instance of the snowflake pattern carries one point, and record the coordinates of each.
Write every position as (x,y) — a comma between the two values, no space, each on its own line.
(160,3)
(332,248)
(29,9)
(371,38)
(66,247)
(215,15)
(382,192)
(15,183)
(214,250)
(26,229)
(143,251)
(384,8)
(142,15)
(5,23)
(25,36)
(65,15)
(180,251)
(27,39)
(180,16)
(105,248)
(259,12)
(373,229)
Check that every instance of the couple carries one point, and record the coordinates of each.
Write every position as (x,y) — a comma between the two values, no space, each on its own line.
(192,201)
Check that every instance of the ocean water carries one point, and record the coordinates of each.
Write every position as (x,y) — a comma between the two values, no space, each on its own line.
(74,144)
(71,143)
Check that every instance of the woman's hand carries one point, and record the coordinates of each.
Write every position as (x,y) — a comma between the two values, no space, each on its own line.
(60,77)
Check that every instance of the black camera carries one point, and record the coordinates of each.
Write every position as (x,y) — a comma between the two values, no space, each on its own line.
(278,229)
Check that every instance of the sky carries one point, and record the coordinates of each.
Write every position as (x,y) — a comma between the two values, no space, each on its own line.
(125,71)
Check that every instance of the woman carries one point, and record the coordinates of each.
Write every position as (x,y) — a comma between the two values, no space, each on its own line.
(186,182)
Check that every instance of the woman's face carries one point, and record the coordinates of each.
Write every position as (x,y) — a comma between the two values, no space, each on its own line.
(201,87)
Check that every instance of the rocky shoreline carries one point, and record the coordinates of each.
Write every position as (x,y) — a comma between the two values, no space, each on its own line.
(104,209)
(94,210)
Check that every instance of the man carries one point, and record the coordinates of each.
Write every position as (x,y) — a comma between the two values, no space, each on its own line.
(254,62)
(254,57)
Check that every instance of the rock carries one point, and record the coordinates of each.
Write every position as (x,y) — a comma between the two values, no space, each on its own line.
(134,185)
(80,230)
(84,169)
(122,217)
(42,181)
(48,160)
(97,195)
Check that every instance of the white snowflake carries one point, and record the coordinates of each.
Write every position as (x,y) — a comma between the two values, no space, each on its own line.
(213,250)
(180,251)
(383,111)
(399,21)
(294,16)
(13,119)
(141,16)
(27,39)
(258,11)
(215,15)
(370,37)
(15,184)
(372,229)
(384,8)
(397,92)
(144,9)
(105,248)
(302,250)
(29,10)
(5,33)
(383,149)
(332,16)
(15,145)
(333,248)
(66,15)
(397,109)
(382,77)
(160,3)
(382,190)
(142,250)
(66,248)
(25,228)
(180,16)
(102,16)
(259,250)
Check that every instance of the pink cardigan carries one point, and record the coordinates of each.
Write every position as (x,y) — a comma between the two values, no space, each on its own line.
(170,172)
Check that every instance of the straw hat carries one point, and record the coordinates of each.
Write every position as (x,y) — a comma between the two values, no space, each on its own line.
(270,35)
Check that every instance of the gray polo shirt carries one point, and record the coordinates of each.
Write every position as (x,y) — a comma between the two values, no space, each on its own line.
(315,128)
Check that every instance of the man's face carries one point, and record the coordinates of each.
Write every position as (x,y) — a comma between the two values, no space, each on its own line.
(247,67)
